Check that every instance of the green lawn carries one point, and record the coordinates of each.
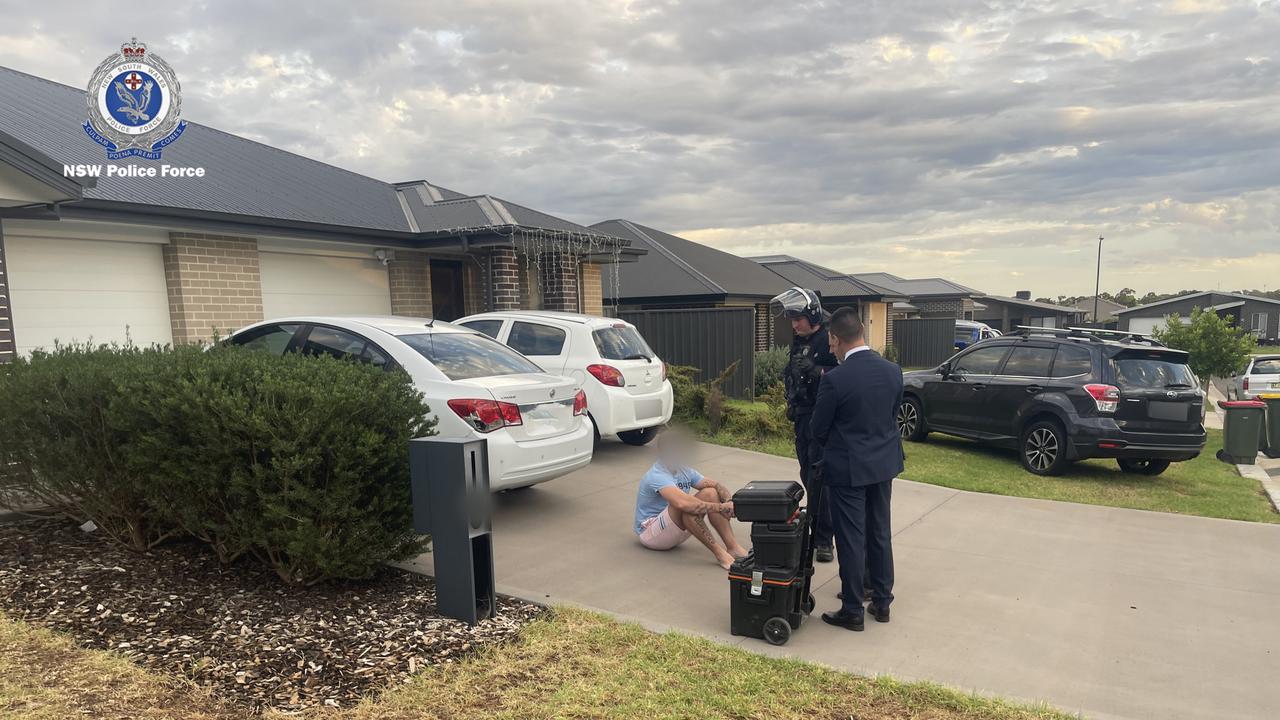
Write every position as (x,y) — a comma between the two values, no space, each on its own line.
(1203,486)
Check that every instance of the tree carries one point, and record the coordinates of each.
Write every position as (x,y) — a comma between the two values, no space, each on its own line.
(1217,349)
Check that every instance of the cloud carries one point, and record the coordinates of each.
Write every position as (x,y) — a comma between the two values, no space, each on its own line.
(988,141)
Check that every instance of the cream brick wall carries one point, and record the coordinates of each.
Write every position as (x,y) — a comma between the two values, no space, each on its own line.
(214,285)
(409,276)
(592,289)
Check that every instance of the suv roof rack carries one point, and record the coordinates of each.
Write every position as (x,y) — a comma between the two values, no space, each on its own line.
(1126,336)
(1026,331)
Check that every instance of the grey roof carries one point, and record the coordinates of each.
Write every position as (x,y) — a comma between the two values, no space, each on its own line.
(1104,305)
(246,178)
(675,267)
(1029,304)
(827,282)
(40,166)
(919,287)
(1212,294)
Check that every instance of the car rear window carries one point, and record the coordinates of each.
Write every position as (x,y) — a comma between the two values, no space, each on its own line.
(536,339)
(1151,372)
(621,343)
(1072,360)
(461,356)
(488,327)
(1266,367)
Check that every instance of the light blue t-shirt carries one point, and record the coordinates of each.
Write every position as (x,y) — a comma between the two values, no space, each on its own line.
(648,500)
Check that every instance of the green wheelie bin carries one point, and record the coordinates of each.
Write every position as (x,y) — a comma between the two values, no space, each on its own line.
(1272,447)
(1241,430)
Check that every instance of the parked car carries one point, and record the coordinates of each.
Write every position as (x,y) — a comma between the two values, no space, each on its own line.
(535,422)
(969,332)
(1260,375)
(1057,396)
(628,394)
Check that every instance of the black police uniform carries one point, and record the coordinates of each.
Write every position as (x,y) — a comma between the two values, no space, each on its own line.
(810,357)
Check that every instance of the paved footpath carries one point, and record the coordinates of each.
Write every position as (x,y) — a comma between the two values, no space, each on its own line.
(1111,613)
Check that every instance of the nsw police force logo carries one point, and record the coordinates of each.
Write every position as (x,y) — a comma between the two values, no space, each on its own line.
(134,102)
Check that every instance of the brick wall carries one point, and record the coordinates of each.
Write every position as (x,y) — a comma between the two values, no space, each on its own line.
(559,279)
(7,347)
(506,278)
(214,284)
(409,276)
(592,289)
(764,327)
(941,308)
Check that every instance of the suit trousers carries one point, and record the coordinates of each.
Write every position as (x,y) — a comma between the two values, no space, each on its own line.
(864,542)
(809,453)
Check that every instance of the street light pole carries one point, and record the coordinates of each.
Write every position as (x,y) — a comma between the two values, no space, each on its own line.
(1097,284)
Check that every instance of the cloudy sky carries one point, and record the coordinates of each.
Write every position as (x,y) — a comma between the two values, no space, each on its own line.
(987,142)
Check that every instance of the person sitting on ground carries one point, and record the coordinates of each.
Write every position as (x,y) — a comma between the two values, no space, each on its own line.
(674,498)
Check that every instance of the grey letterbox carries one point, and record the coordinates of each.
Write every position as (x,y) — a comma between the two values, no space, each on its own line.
(451,501)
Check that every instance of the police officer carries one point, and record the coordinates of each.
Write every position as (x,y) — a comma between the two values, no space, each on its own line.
(810,357)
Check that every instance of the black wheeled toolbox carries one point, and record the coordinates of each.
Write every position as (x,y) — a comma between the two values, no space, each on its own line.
(770,501)
(769,589)
(778,544)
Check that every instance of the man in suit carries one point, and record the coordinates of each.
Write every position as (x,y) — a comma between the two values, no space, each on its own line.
(854,419)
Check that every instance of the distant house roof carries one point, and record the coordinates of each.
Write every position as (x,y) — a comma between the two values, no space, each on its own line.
(827,282)
(248,182)
(1105,306)
(678,268)
(918,288)
(1211,293)
(1032,304)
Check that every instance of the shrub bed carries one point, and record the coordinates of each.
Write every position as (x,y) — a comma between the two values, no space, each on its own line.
(301,462)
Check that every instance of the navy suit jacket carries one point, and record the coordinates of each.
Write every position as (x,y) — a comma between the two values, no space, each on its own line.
(855,420)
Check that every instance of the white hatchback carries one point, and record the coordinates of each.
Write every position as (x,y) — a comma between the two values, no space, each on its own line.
(628,393)
(535,422)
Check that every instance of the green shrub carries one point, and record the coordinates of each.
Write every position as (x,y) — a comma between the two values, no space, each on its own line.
(690,395)
(301,462)
(769,367)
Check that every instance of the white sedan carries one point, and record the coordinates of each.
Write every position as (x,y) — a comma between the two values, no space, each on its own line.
(626,383)
(535,423)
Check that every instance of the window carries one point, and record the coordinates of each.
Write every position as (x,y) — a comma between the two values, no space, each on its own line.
(1259,325)
(621,342)
(461,356)
(488,327)
(535,339)
(333,342)
(1268,366)
(1152,372)
(272,339)
(1072,360)
(1029,362)
(982,361)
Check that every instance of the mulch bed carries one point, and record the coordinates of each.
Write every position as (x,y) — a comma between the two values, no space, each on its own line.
(236,629)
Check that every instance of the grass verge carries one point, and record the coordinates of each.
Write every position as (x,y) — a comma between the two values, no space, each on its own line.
(1203,486)
(574,664)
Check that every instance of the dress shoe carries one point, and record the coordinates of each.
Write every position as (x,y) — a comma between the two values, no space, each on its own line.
(824,554)
(845,620)
(880,614)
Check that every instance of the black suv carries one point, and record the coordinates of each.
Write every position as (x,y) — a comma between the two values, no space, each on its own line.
(1057,396)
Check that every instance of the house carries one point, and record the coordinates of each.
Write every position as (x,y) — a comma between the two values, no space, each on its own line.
(1259,315)
(924,297)
(1107,309)
(679,273)
(265,233)
(1007,313)
(837,289)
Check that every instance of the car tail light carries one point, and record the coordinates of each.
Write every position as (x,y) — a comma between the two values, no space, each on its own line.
(580,403)
(487,415)
(1107,397)
(664,370)
(1246,384)
(606,374)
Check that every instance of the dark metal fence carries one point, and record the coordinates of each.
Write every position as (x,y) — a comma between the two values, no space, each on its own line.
(709,339)
(924,342)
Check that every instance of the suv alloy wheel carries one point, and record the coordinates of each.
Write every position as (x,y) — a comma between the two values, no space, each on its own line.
(911,420)
(1043,449)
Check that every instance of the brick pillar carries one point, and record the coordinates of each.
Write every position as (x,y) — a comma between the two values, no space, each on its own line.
(504,282)
(764,327)
(7,343)
(409,276)
(592,289)
(559,282)
(214,285)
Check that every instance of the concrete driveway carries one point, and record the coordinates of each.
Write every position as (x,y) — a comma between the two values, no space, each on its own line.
(1103,611)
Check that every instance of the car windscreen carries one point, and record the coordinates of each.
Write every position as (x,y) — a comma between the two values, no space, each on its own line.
(461,356)
(964,333)
(1266,367)
(1152,372)
(621,343)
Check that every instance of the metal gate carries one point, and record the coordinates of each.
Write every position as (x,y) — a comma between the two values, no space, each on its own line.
(924,342)
(709,339)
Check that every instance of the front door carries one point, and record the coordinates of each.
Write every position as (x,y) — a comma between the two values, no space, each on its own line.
(447,298)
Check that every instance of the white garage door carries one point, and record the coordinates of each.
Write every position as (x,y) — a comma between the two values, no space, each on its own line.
(295,284)
(1145,325)
(80,290)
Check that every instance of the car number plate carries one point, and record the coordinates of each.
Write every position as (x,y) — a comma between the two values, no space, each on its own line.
(648,409)
(1157,410)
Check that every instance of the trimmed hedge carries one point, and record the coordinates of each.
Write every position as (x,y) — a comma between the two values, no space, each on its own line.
(301,462)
